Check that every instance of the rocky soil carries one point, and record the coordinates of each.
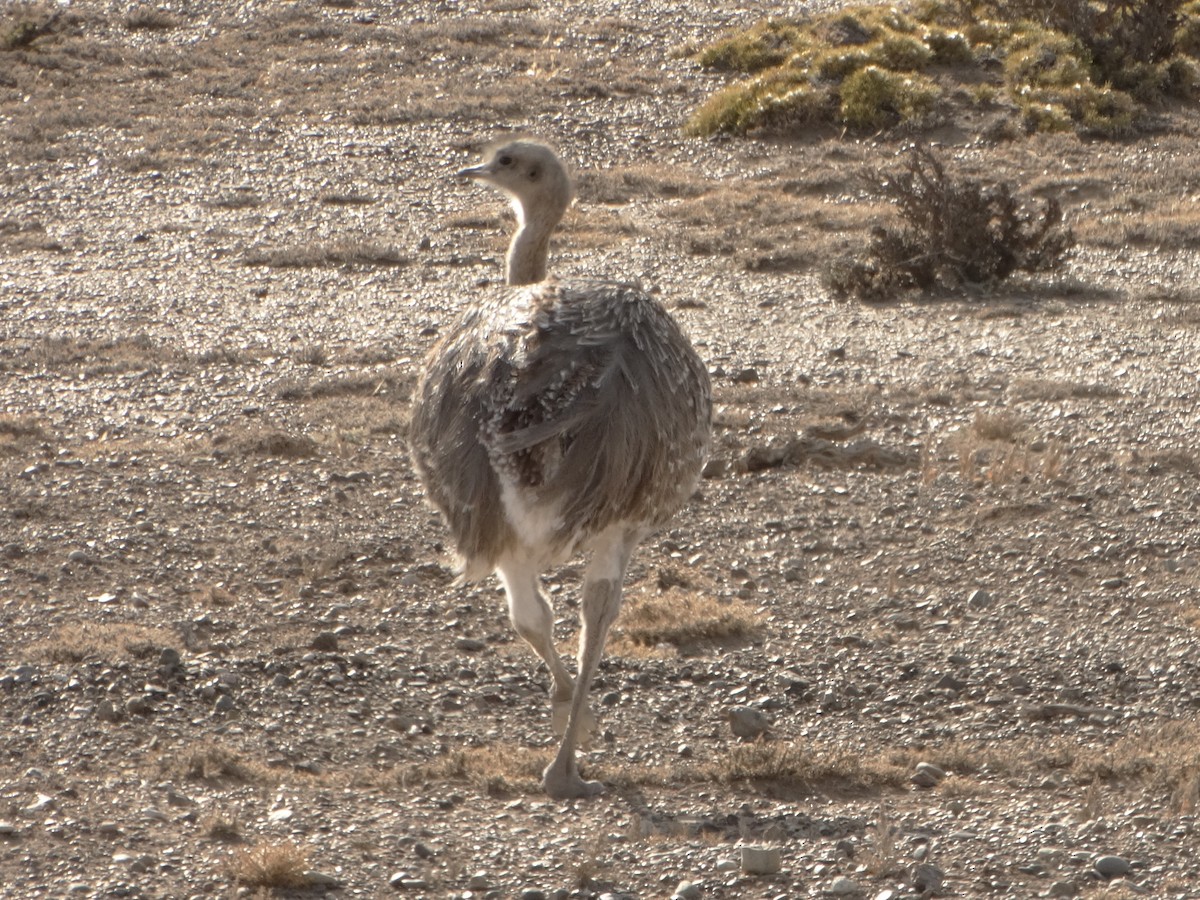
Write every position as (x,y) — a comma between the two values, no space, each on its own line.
(928,628)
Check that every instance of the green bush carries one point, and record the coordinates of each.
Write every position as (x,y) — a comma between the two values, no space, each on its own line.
(1065,64)
(877,98)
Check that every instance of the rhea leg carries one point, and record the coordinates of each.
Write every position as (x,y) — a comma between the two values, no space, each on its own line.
(601,603)
(534,621)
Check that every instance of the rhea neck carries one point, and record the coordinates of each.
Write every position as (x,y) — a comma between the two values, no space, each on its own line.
(530,247)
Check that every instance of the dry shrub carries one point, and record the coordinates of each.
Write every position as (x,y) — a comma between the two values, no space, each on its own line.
(150,19)
(22,23)
(953,231)
(1124,38)
(270,865)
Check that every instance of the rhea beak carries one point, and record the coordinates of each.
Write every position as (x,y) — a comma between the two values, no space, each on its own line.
(480,171)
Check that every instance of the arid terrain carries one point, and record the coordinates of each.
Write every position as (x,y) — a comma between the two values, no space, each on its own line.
(950,547)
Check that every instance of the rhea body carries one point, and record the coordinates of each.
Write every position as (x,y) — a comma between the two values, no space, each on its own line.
(557,417)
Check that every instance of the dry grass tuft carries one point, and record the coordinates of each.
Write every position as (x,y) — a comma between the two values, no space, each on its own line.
(270,865)
(810,767)
(109,356)
(1161,757)
(1002,426)
(349,253)
(394,386)
(998,448)
(497,771)
(882,856)
(77,642)
(214,763)
(1171,461)
(685,620)
(264,442)
(222,825)
(1052,390)
(17,431)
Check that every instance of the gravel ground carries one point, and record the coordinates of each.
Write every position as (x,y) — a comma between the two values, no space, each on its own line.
(958,539)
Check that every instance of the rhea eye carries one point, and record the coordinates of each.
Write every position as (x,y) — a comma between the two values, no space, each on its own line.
(505,160)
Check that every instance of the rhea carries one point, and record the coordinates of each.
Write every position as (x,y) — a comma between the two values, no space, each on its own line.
(557,417)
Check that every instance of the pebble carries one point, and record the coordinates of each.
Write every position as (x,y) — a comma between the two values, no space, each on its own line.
(470,645)
(760,860)
(747,723)
(42,803)
(7,829)
(142,864)
(138,706)
(1062,889)
(406,882)
(843,886)
(928,775)
(927,878)
(979,599)
(325,642)
(321,879)
(949,683)
(687,890)
(478,882)
(1113,866)
(1051,856)
(532,894)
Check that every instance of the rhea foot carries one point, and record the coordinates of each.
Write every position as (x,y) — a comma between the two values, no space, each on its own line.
(565,784)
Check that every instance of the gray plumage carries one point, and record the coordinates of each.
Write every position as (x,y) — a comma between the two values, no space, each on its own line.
(585,397)
(557,417)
